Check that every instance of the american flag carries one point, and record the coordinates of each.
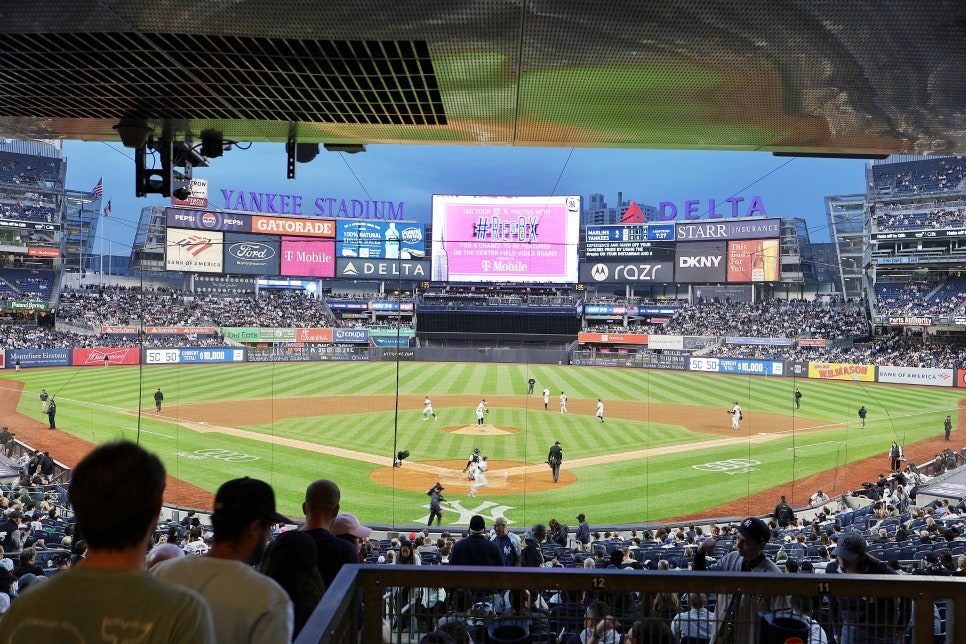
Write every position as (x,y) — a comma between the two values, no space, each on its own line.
(107,209)
(99,188)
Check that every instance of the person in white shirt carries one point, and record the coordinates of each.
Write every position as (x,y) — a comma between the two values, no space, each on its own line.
(697,622)
(735,416)
(563,403)
(546,398)
(480,410)
(600,409)
(817,499)
(480,476)
(600,627)
(428,409)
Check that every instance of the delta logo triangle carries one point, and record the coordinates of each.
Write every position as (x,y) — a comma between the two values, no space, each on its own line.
(633,215)
(350,269)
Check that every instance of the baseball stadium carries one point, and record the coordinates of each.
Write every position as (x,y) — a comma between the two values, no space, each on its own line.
(657,383)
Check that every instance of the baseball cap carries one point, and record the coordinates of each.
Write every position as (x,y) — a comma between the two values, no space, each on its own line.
(245,500)
(850,546)
(477,524)
(346,523)
(755,529)
(581,517)
(931,557)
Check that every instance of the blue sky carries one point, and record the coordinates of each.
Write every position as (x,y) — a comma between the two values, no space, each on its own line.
(788,187)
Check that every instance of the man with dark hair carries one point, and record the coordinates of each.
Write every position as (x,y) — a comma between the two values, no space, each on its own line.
(784,514)
(321,507)
(531,553)
(435,501)
(748,556)
(246,605)
(6,441)
(128,603)
(583,533)
(158,399)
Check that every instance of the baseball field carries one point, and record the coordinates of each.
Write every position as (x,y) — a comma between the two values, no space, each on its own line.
(666,448)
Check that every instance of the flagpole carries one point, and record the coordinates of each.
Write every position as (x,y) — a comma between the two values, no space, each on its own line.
(110,244)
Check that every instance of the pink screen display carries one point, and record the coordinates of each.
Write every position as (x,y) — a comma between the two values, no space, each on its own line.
(308,257)
(505,239)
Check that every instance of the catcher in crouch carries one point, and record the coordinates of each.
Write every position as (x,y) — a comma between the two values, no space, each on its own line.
(472,464)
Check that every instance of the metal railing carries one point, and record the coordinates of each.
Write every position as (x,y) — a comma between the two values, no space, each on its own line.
(338,618)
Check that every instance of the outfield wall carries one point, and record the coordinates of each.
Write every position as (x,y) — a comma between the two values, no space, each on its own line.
(673,360)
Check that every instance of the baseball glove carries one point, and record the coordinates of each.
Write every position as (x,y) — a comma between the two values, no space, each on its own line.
(741,416)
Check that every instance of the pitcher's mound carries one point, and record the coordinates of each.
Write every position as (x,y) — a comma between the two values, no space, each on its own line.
(481,430)
(503,477)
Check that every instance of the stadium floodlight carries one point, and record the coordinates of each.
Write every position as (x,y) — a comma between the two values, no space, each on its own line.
(134,132)
(212,144)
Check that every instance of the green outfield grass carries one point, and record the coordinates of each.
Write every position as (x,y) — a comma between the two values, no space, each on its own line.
(690,480)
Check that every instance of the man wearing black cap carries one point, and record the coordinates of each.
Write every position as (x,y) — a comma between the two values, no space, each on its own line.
(868,619)
(749,556)
(932,566)
(246,605)
(476,549)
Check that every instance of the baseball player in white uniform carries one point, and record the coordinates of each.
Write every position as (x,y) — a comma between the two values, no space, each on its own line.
(480,477)
(546,398)
(563,403)
(428,409)
(480,410)
(735,416)
(600,409)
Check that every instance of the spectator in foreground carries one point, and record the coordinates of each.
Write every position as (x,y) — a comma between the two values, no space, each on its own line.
(867,619)
(749,556)
(292,562)
(246,606)
(127,600)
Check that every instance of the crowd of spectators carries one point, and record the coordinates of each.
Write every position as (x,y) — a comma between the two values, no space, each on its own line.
(28,170)
(906,218)
(917,177)
(920,297)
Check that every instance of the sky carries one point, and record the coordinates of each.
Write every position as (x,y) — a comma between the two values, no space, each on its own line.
(787,187)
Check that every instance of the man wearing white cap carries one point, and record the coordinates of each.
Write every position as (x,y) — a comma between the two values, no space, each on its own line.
(348,527)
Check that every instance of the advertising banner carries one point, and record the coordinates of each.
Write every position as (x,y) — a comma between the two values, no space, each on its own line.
(203,220)
(119,330)
(241,334)
(908,320)
(811,342)
(290,226)
(380,239)
(505,239)
(665,342)
(193,356)
(308,257)
(605,309)
(722,230)
(613,338)
(961,377)
(754,261)
(391,306)
(769,342)
(95,357)
(252,254)
(323,336)
(841,371)
(26,305)
(193,252)
(277,334)
(402,355)
(695,342)
(349,306)
(356,336)
(751,367)
(40,357)
(179,330)
(700,262)
(378,269)
(709,365)
(34,251)
(916,376)
(627,272)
